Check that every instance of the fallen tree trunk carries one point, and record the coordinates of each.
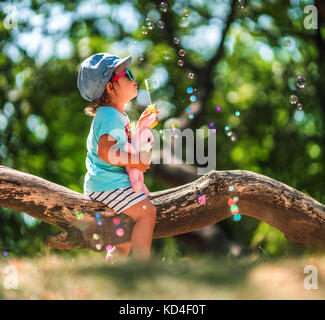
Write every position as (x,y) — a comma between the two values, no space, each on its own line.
(298,216)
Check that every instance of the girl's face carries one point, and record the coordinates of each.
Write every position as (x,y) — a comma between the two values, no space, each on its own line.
(126,89)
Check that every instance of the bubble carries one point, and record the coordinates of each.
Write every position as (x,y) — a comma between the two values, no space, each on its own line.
(299,106)
(191,116)
(97,215)
(193,98)
(186,12)
(144,30)
(211,124)
(99,222)
(188,109)
(116,221)
(236,199)
(218,108)
(189,90)
(293,99)
(231,202)
(166,55)
(237,217)
(237,113)
(180,63)
(5,253)
(161,24)
(201,198)
(79,215)
(233,137)
(191,75)
(241,4)
(227,128)
(176,40)
(231,188)
(95,236)
(98,246)
(233,208)
(287,42)
(144,207)
(141,58)
(176,136)
(149,24)
(184,22)
(163,7)
(182,53)
(300,82)
(120,232)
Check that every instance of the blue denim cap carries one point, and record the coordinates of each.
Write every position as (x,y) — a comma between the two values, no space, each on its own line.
(95,72)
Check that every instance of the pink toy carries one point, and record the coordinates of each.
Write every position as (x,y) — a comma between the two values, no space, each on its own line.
(142,140)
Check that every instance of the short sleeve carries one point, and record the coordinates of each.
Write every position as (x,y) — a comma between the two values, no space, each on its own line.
(113,126)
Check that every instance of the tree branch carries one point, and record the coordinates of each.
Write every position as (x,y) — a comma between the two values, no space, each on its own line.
(298,216)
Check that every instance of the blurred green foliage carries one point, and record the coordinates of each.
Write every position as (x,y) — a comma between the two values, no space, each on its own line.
(43,128)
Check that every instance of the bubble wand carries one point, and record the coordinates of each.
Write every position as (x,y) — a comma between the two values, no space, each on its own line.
(146,81)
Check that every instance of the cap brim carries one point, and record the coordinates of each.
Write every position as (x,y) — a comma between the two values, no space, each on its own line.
(127,61)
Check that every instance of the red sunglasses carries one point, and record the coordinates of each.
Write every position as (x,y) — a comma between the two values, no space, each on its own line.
(123,73)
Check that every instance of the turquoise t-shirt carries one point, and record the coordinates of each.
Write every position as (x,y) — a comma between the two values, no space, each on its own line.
(102,176)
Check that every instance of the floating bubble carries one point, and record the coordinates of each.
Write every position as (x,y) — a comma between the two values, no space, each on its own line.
(163,7)
(299,106)
(236,199)
(161,24)
(95,236)
(176,136)
(5,253)
(184,22)
(227,128)
(176,40)
(180,63)
(231,188)
(218,108)
(97,215)
(287,42)
(188,109)
(79,215)
(231,202)
(241,4)
(233,208)
(144,207)
(144,30)
(98,246)
(293,99)
(237,113)
(233,137)
(99,222)
(182,53)
(120,232)
(300,82)
(186,12)
(116,221)
(149,24)
(191,116)
(237,217)
(166,55)
(191,75)
(189,90)
(211,124)
(201,198)
(193,98)
(141,58)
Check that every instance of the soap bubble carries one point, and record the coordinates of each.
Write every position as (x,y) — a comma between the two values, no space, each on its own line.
(193,98)
(300,82)
(191,75)
(98,246)
(176,40)
(188,109)
(149,24)
(189,90)
(163,7)
(182,53)
(237,113)
(95,236)
(141,58)
(211,124)
(218,108)
(186,12)
(287,41)
(151,84)
(299,106)
(293,99)
(191,116)
(161,24)
(180,63)
(241,4)
(166,55)
(231,188)
(184,22)
(237,217)
(144,30)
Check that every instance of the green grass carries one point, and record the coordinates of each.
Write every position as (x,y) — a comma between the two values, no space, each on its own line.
(87,276)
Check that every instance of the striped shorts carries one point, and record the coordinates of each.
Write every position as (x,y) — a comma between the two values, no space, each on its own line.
(118,199)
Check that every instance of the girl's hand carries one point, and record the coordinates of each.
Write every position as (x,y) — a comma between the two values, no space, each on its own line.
(145,114)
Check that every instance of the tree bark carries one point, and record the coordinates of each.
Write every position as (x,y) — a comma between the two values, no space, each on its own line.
(300,217)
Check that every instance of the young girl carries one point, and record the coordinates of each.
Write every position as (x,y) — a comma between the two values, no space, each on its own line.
(105,80)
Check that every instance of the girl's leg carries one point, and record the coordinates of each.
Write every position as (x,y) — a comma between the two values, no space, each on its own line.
(144,215)
(123,249)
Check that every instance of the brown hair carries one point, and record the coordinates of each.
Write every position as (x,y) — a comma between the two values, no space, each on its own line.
(104,100)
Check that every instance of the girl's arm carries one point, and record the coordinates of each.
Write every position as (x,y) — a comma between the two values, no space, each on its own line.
(108,152)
